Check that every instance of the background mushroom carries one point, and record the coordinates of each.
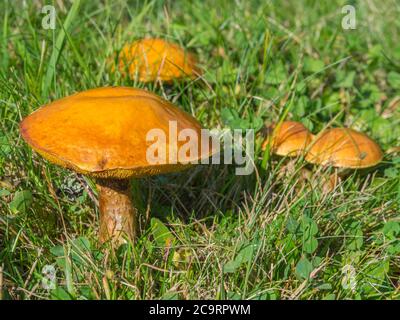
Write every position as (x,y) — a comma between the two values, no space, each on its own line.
(102,133)
(288,139)
(345,149)
(156,59)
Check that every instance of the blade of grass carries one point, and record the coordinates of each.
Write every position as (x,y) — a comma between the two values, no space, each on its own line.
(51,69)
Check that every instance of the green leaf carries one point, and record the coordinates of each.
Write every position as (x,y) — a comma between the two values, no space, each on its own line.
(299,109)
(309,229)
(170,296)
(244,256)
(391,229)
(308,124)
(60,294)
(276,74)
(86,293)
(81,243)
(272,92)
(304,268)
(231,266)
(391,173)
(310,245)
(240,124)
(372,92)
(4,192)
(325,286)
(394,249)
(355,240)
(330,104)
(161,234)
(345,79)
(316,261)
(394,79)
(312,65)
(80,248)
(375,52)
(21,202)
(257,123)
(263,296)
(231,118)
(292,225)
(57,251)
(5,147)
(233,296)
(329,296)
(300,87)
(228,115)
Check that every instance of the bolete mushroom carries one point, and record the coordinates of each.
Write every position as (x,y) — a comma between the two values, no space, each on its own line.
(288,139)
(344,149)
(102,133)
(156,59)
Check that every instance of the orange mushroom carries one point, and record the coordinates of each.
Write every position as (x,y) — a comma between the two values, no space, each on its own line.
(343,149)
(156,59)
(102,133)
(290,138)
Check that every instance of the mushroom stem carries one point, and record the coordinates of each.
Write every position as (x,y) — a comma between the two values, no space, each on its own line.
(118,216)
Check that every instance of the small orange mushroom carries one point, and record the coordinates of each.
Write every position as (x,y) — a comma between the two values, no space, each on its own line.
(290,138)
(102,133)
(345,149)
(156,59)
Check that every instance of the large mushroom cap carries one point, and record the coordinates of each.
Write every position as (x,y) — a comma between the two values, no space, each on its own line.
(344,148)
(156,59)
(290,138)
(102,133)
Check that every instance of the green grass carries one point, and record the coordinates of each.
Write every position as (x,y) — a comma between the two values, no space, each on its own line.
(269,235)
